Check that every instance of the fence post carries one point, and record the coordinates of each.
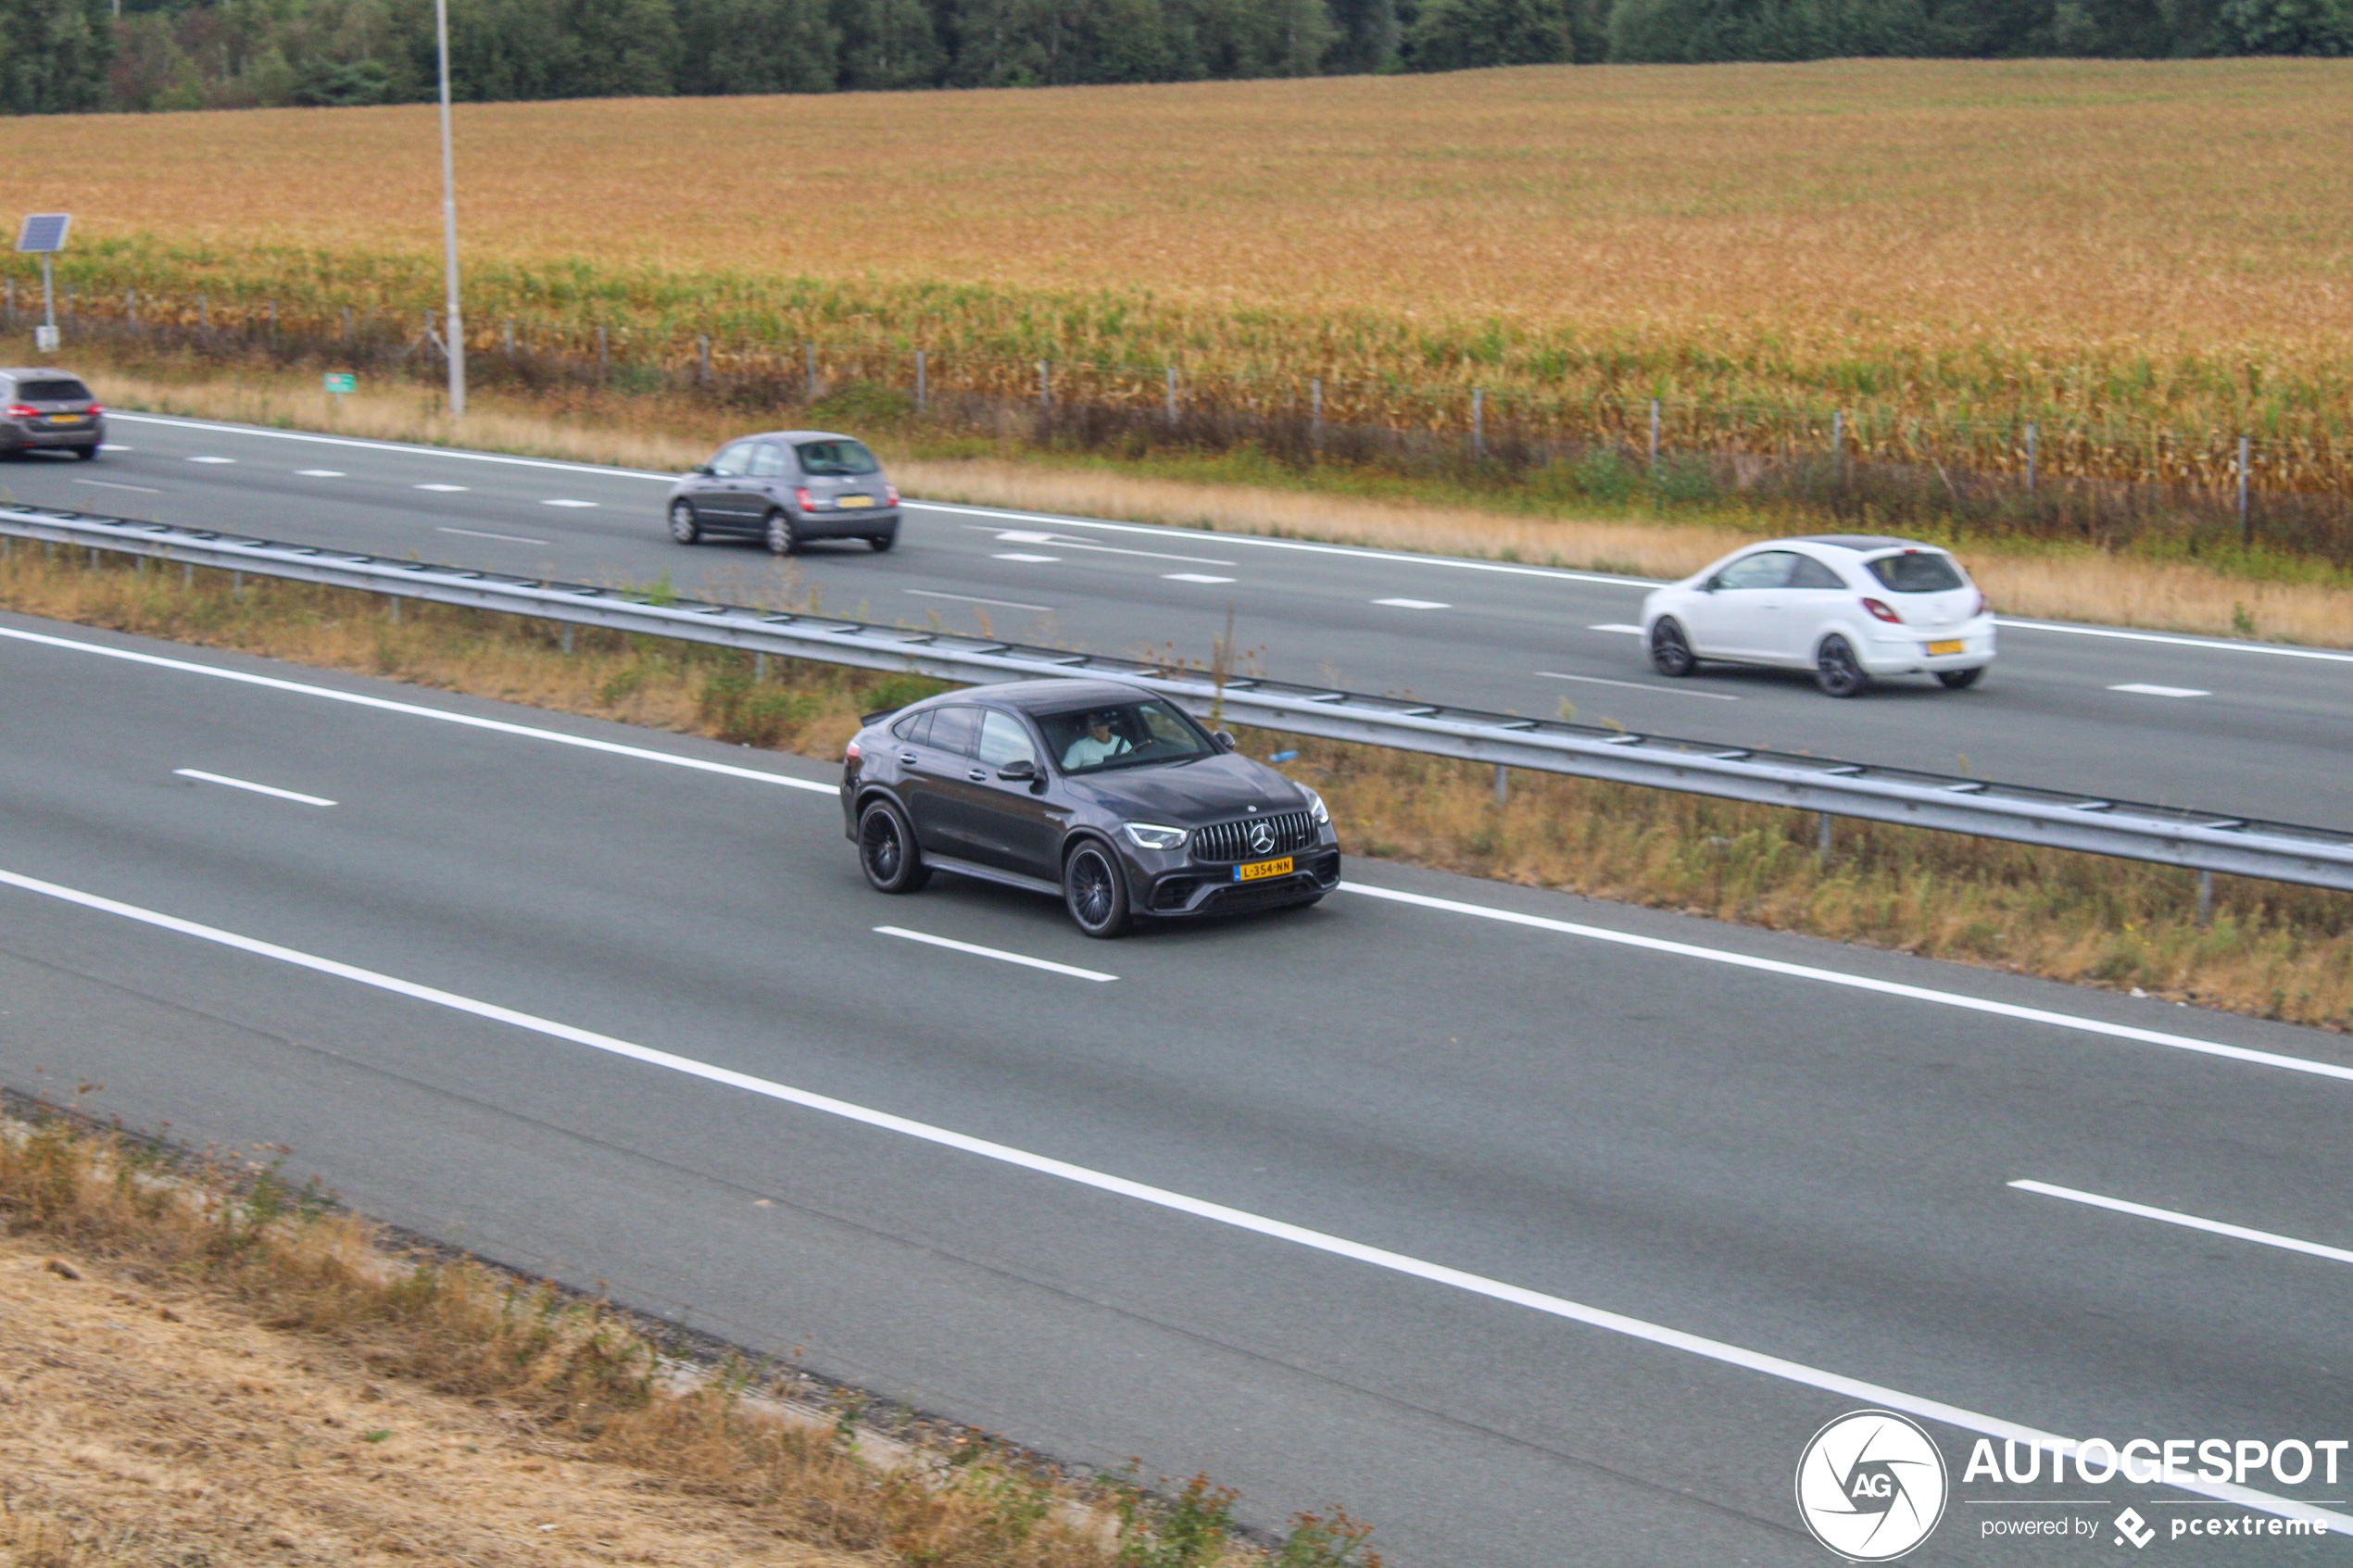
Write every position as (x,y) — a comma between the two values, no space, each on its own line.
(1654,441)
(69,305)
(2030,456)
(604,356)
(508,335)
(11,301)
(809,367)
(1315,410)
(131,307)
(1479,421)
(2247,520)
(922,388)
(1172,396)
(1838,439)
(702,360)
(347,325)
(204,313)
(1045,384)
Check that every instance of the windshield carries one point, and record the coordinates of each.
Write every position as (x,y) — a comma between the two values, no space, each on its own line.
(1123,735)
(830,457)
(1919,571)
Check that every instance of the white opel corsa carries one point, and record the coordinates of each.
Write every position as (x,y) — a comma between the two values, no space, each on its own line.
(1852,609)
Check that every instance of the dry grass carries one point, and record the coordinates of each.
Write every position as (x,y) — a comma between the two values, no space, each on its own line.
(2273,950)
(2142,243)
(2073,584)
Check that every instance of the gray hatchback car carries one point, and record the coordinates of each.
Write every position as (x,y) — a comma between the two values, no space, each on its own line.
(787,487)
(42,407)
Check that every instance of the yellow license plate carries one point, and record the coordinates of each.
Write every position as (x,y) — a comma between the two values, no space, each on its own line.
(1257,868)
(1936,649)
(65,419)
(855,501)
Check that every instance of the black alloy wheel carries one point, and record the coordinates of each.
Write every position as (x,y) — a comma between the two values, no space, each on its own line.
(1094,892)
(86,453)
(784,538)
(887,850)
(1670,650)
(878,542)
(684,528)
(1957,679)
(1835,670)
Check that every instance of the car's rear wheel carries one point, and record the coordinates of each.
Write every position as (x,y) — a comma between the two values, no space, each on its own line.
(86,453)
(1094,892)
(1670,650)
(684,528)
(782,536)
(1955,680)
(878,542)
(1836,669)
(886,851)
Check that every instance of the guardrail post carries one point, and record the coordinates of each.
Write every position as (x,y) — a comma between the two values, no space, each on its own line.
(1822,839)
(1503,783)
(392,609)
(2205,899)
(567,637)
(923,387)
(2246,518)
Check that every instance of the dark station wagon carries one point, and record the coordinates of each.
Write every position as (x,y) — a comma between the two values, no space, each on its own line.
(42,409)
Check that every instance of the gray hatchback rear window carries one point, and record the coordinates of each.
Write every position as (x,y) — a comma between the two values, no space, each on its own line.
(830,458)
(53,392)
(1918,571)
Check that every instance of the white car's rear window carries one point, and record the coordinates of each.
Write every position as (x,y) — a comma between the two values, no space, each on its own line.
(1918,571)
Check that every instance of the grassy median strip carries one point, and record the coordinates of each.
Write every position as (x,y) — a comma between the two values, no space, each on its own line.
(210,1364)
(2270,950)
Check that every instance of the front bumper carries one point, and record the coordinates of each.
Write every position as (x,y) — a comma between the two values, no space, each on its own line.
(1190,888)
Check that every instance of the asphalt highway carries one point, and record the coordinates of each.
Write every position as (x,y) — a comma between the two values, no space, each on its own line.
(1540,1233)
(2248,729)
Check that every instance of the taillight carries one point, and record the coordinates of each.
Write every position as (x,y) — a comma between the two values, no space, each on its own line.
(1983,607)
(850,754)
(1879,608)
(20,411)
(891,491)
(801,496)
(97,409)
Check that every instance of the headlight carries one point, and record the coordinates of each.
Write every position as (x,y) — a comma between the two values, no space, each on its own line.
(1315,807)
(1151,835)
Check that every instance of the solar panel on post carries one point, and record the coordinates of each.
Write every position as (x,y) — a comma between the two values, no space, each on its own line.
(44,232)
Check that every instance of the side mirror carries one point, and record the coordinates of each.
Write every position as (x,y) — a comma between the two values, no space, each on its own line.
(703,468)
(1021,769)
(1226,742)
(1711,585)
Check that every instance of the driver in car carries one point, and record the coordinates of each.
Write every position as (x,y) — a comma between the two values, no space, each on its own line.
(1096,744)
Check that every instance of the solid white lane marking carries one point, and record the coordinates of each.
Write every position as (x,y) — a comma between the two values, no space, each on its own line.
(1015,555)
(1194,577)
(404,448)
(322,473)
(414,711)
(111,484)
(256,788)
(1638,685)
(477,533)
(1616,626)
(453,488)
(1414,604)
(1863,982)
(997,953)
(212,459)
(973,599)
(2160,691)
(2214,645)
(1619,1324)
(561,503)
(2175,1217)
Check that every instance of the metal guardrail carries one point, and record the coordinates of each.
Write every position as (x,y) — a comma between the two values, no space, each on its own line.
(2204,841)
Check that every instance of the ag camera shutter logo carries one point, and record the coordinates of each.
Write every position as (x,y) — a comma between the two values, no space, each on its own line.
(1871,1485)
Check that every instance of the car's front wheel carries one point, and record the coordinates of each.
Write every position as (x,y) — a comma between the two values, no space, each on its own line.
(1094,892)
(886,851)
(1836,669)
(1670,650)
(684,528)
(1955,680)
(784,538)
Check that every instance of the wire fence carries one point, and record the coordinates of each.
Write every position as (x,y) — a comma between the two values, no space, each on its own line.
(2107,484)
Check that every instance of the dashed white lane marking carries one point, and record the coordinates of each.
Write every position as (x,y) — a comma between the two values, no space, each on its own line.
(975,599)
(1616,626)
(1194,577)
(2160,691)
(212,459)
(1414,604)
(113,446)
(256,788)
(111,484)
(1638,685)
(477,533)
(2175,1217)
(1022,959)
(441,487)
(560,503)
(1016,555)
(1722,1352)
(1060,542)
(322,473)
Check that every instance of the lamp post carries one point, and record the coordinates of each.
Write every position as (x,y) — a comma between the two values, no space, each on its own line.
(453,326)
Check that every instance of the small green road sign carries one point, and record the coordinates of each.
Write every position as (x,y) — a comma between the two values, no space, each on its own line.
(337,381)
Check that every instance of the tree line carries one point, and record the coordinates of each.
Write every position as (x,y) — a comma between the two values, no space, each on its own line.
(73,55)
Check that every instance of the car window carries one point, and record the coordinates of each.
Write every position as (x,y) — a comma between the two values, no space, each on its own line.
(1766,568)
(1918,571)
(767,460)
(1121,734)
(53,392)
(955,729)
(732,459)
(1002,740)
(1811,573)
(829,459)
(912,729)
